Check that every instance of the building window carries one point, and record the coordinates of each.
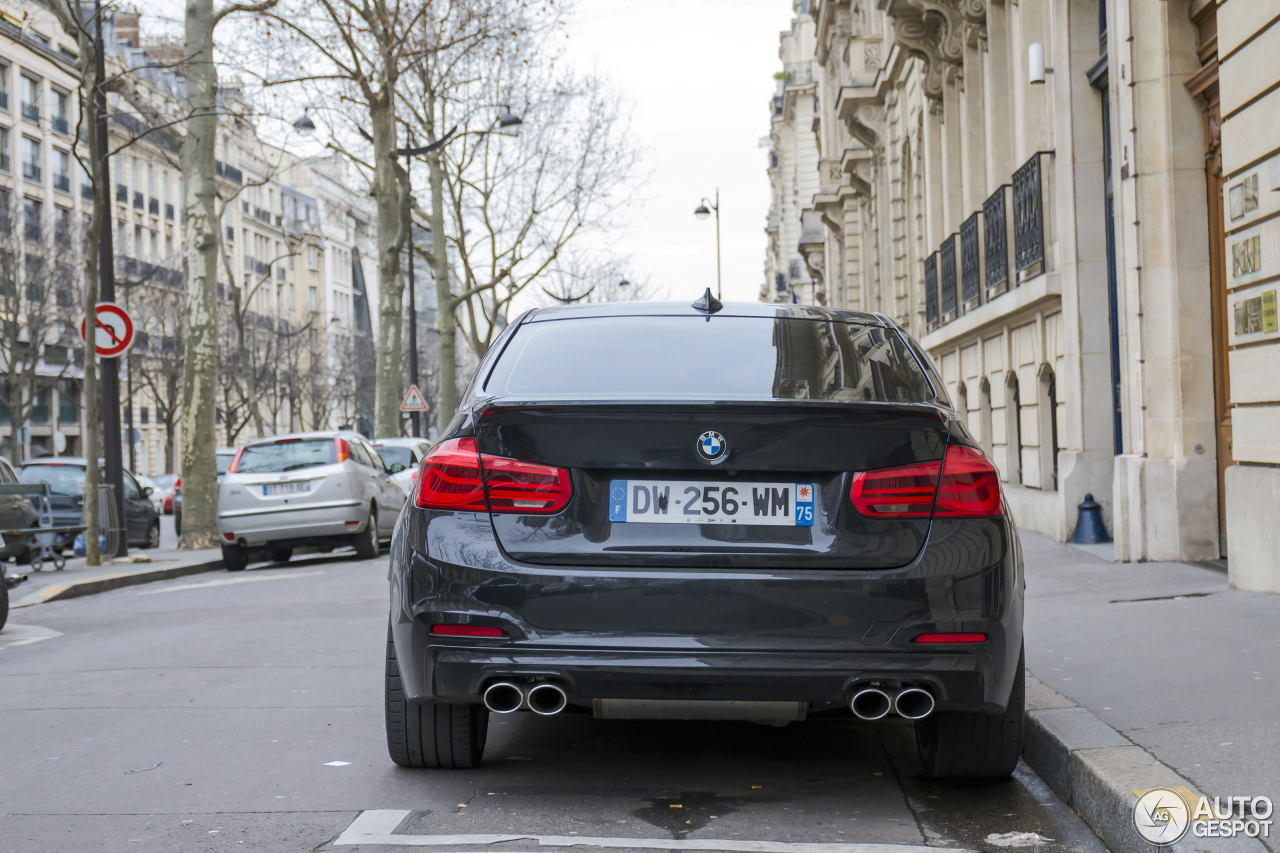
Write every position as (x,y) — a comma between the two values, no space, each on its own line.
(312,304)
(313,257)
(30,98)
(138,245)
(60,122)
(31,159)
(61,170)
(62,227)
(4,150)
(793,270)
(1013,429)
(32,217)
(144,415)
(4,87)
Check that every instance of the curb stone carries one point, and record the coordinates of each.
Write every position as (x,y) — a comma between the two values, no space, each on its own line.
(1095,770)
(93,586)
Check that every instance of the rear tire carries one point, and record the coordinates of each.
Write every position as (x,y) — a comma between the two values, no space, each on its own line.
(235,558)
(430,734)
(971,744)
(367,542)
(281,555)
(177,524)
(4,602)
(153,535)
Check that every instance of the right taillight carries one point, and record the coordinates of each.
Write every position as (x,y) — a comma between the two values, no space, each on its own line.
(341,449)
(963,485)
(450,478)
(970,486)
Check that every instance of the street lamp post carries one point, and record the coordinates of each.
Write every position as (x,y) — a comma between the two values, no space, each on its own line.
(702,212)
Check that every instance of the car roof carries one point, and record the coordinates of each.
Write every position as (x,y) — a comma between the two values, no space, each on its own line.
(331,433)
(768,310)
(399,442)
(78,461)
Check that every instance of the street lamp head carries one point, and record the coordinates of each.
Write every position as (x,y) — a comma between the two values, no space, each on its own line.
(304,123)
(624,283)
(701,211)
(510,122)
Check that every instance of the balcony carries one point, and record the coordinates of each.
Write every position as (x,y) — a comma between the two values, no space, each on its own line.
(31,112)
(263,215)
(997,234)
(60,125)
(62,183)
(31,172)
(222,170)
(931,290)
(86,192)
(1028,219)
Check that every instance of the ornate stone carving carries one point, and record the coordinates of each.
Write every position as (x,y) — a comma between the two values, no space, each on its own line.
(871,55)
(974,11)
(919,35)
(950,39)
(867,125)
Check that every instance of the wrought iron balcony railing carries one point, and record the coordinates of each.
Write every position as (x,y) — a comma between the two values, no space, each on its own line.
(997,231)
(931,290)
(1028,219)
(60,125)
(31,172)
(31,112)
(62,183)
(947,279)
(971,261)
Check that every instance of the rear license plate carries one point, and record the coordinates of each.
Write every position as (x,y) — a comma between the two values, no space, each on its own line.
(684,502)
(286,488)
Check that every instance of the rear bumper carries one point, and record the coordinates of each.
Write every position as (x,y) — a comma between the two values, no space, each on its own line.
(333,521)
(710,633)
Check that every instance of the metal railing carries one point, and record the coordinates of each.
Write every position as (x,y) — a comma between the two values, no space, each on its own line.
(31,112)
(995,232)
(62,183)
(970,262)
(60,125)
(931,290)
(1028,219)
(31,172)
(947,279)
(86,191)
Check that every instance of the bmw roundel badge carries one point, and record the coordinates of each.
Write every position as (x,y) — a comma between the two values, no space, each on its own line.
(712,447)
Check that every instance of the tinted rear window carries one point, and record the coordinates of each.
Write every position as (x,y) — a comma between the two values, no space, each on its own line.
(392,455)
(223,461)
(62,479)
(745,358)
(286,456)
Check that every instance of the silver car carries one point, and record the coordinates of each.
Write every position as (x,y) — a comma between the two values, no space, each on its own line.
(406,451)
(320,489)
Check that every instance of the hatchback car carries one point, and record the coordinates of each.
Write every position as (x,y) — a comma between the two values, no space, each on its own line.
(65,476)
(406,451)
(16,513)
(749,512)
(322,489)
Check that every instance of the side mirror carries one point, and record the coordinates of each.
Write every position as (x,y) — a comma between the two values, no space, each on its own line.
(147,491)
(396,467)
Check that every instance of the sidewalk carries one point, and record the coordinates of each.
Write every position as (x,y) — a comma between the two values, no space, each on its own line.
(1166,654)
(78,579)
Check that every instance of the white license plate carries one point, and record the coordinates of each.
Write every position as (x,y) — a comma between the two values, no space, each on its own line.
(685,502)
(286,488)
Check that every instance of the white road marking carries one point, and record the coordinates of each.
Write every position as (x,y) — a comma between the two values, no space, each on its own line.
(375,827)
(230,582)
(25,635)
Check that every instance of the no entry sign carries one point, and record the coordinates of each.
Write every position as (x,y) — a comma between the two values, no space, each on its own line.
(113,332)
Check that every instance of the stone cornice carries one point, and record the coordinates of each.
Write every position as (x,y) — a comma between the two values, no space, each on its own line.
(936,32)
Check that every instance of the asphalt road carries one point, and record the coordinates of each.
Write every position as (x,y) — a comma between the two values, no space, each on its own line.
(208,713)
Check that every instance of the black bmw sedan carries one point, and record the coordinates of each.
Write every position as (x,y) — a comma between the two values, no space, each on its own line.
(726,512)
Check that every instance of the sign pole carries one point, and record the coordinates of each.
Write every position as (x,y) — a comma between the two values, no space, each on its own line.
(111,450)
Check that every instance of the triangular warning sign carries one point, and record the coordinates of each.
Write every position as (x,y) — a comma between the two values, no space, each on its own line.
(413,401)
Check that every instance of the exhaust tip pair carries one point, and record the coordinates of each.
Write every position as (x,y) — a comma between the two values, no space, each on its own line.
(872,703)
(504,697)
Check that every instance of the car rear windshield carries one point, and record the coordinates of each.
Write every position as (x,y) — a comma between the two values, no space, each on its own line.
(745,358)
(391,455)
(62,479)
(223,461)
(288,455)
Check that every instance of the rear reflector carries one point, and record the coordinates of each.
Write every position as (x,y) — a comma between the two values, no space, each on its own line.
(965,485)
(230,537)
(451,479)
(466,631)
(951,638)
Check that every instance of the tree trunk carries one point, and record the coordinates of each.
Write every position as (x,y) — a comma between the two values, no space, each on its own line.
(200,256)
(447,384)
(388,191)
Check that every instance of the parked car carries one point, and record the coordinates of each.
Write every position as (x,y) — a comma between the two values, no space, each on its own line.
(65,476)
(156,495)
(325,489)
(16,513)
(167,483)
(224,456)
(748,511)
(405,451)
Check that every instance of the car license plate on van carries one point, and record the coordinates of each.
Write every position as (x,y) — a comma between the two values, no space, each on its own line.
(684,502)
(286,488)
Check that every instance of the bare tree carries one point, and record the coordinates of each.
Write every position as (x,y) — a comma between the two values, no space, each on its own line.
(577,279)
(39,294)
(512,206)
(156,360)
(195,143)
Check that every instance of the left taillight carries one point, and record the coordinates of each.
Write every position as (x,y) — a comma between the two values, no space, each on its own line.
(964,484)
(451,478)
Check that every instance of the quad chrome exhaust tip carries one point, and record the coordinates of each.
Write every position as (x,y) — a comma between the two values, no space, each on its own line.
(546,699)
(913,703)
(503,697)
(870,703)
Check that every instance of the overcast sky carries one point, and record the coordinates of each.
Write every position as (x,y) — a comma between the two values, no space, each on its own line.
(700,74)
